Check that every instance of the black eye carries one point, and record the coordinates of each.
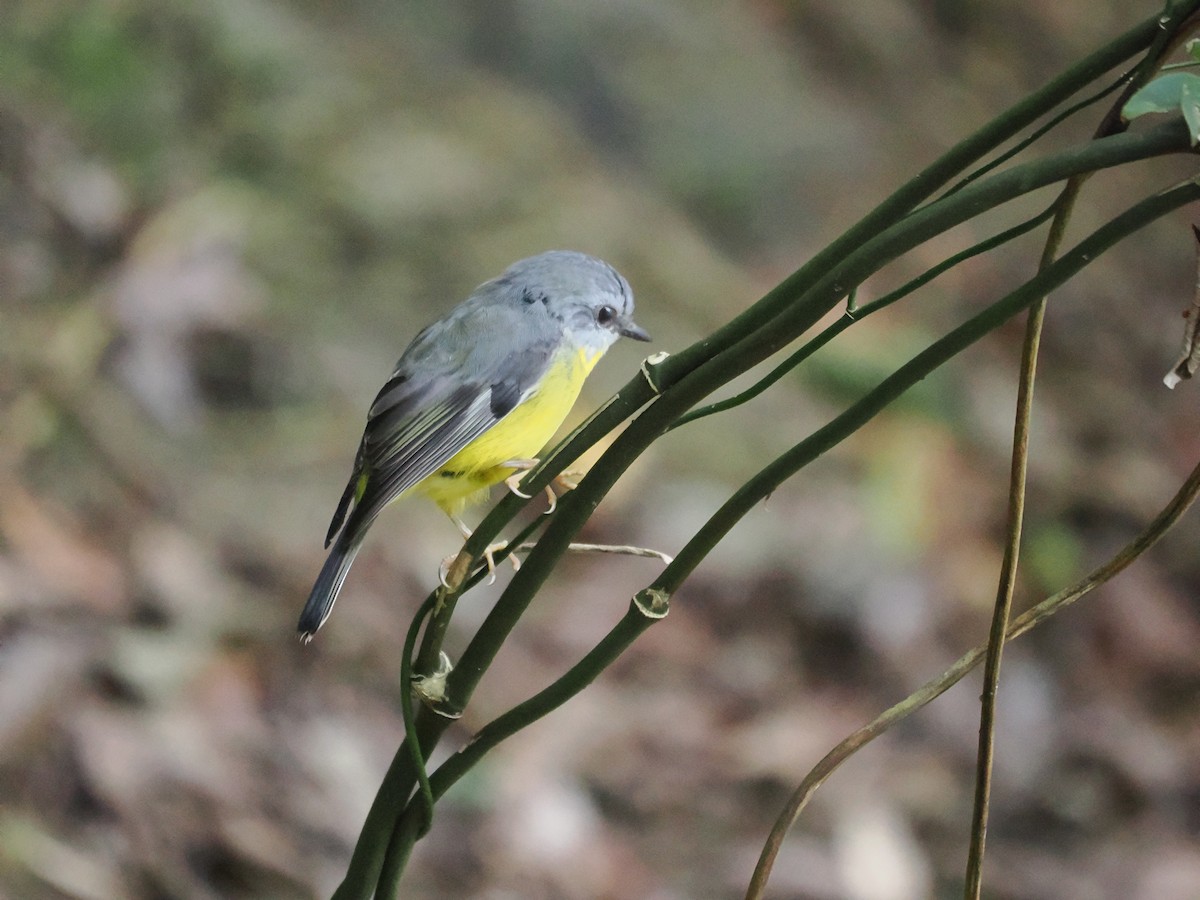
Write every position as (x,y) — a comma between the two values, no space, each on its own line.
(605,314)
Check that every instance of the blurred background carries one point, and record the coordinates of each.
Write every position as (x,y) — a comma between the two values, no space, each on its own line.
(220,223)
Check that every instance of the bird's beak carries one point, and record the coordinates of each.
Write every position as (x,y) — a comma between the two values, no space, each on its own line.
(630,329)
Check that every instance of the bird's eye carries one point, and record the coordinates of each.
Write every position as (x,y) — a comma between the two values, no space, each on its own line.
(605,314)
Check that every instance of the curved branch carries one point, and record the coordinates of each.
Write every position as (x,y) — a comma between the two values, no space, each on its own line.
(934,688)
(861,313)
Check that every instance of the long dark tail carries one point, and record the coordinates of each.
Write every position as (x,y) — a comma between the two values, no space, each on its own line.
(329,583)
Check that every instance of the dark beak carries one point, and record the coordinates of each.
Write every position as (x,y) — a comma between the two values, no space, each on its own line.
(630,329)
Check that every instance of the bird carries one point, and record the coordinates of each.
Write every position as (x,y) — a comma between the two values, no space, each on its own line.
(475,397)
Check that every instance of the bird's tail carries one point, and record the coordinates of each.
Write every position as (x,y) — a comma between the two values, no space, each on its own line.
(329,583)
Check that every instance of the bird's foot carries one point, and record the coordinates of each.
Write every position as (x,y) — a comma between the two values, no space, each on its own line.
(562,482)
(513,481)
(455,568)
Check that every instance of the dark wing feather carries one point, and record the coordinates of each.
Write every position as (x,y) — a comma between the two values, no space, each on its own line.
(451,385)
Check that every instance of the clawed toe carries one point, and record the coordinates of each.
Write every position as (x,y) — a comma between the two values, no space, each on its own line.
(491,560)
(568,480)
(449,572)
(451,578)
(512,482)
(562,482)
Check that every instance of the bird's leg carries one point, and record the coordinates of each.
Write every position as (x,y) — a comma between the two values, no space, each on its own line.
(463,528)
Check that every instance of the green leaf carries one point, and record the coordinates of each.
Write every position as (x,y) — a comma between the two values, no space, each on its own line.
(1162,95)
(1193,49)
(1189,101)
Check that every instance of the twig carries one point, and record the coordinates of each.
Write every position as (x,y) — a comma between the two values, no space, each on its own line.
(615,549)
(858,313)
(1189,361)
(1004,595)
(1161,524)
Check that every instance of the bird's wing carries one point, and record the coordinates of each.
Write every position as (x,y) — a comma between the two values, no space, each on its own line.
(458,378)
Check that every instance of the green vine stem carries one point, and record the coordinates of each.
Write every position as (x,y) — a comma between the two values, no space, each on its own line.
(860,313)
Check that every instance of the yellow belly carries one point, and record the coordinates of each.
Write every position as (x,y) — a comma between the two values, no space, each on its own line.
(521,434)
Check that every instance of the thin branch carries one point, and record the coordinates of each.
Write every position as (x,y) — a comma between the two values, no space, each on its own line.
(635,621)
(1162,523)
(1189,360)
(973,881)
(786,465)
(1038,133)
(610,549)
(406,709)
(367,861)
(861,313)
(445,599)
(1004,595)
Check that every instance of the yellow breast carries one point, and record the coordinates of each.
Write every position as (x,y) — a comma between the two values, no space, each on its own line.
(520,435)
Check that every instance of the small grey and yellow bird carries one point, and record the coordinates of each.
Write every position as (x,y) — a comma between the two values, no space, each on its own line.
(476,396)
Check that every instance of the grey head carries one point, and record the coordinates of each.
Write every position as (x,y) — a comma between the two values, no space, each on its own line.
(591,299)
